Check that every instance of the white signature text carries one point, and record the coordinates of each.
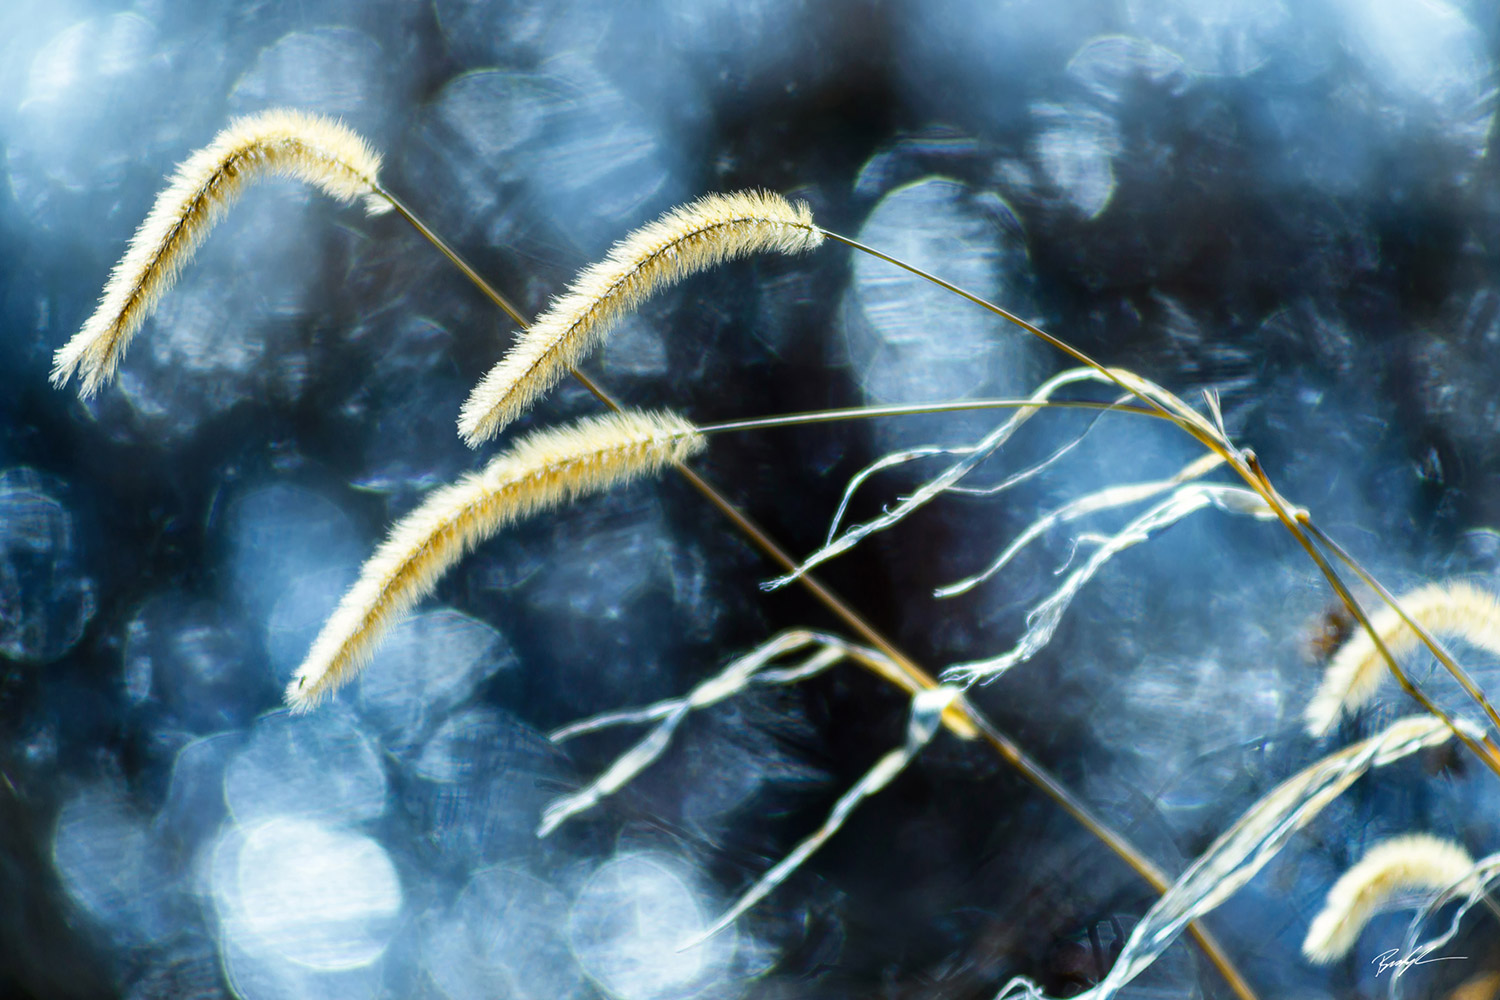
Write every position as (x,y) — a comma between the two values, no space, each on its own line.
(1388,960)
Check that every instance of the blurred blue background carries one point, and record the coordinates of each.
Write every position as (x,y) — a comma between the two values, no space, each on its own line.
(1294,204)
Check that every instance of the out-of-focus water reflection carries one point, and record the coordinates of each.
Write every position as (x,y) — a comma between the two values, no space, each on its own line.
(1292,205)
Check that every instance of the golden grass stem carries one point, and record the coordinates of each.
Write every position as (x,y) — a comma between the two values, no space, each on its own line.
(918,679)
(305,147)
(454,257)
(1470,687)
(984,303)
(543,470)
(1245,464)
(1484,749)
(916,409)
(1454,609)
(1239,853)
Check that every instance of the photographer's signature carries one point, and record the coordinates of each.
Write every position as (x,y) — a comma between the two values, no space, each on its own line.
(1392,959)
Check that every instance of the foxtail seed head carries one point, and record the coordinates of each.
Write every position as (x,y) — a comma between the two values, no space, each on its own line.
(543,470)
(689,239)
(305,147)
(1453,610)
(1418,861)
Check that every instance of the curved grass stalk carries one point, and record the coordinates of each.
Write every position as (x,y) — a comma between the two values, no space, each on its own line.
(914,454)
(930,490)
(305,147)
(1105,499)
(1455,609)
(1042,621)
(915,409)
(927,709)
(1428,640)
(1297,521)
(910,673)
(669,714)
(1235,857)
(1155,397)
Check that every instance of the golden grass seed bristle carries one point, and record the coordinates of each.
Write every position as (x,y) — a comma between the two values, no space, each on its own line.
(544,469)
(285,143)
(1418,861)
(689,239)
(1454,610)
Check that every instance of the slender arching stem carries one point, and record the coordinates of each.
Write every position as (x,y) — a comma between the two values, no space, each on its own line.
(971,718)
(453,257)
(1490,759)
(1248,468)
(1000,311)
(920,409)
(1436,647)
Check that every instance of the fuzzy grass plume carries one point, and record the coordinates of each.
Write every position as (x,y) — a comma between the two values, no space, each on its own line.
(544,469)
(285,143)
(1418,861)
(1454,610)
(689,239)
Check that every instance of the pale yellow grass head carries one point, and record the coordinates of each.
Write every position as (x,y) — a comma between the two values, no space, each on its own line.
(1419,861)
(689,239)
(1452,610)
(542,470)
(294,144)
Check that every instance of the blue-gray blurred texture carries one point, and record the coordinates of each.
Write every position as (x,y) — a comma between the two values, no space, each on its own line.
(1293,203)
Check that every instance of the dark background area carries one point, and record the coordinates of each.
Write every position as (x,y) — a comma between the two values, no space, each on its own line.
(1294,205)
